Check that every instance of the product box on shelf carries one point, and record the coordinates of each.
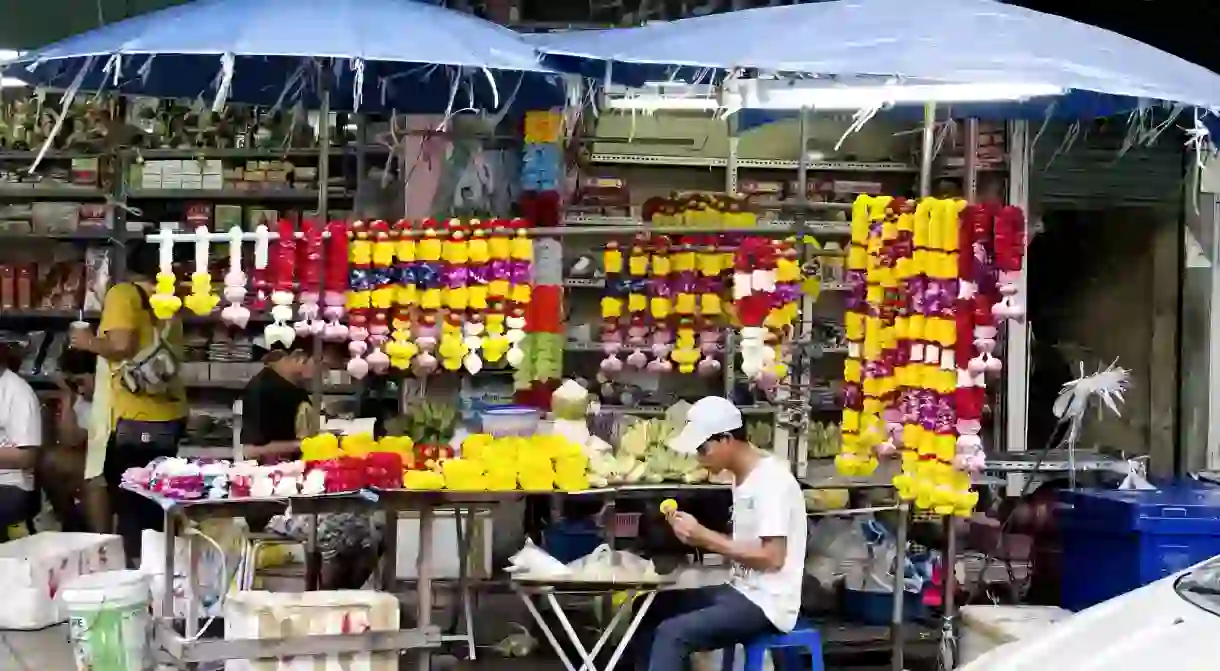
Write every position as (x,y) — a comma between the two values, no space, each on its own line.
(260,217)
(226,216)
(32,569)
(61,286)
(195,371)
(94,216)
(10,224)
(191,168)
(849,187)
(97,278)
(8,287)
(197,214)
(85,171)
(56,217)
(761,188)
(276,615)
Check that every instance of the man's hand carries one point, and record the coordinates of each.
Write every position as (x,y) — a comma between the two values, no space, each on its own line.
(81,339)
(687,528)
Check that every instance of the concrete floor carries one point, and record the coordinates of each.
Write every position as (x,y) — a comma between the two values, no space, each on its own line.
(44,650)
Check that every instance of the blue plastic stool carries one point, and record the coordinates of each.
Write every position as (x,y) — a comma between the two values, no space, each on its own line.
(786,647)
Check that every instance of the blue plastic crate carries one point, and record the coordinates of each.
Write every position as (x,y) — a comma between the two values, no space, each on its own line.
(569,540)
(1116,541)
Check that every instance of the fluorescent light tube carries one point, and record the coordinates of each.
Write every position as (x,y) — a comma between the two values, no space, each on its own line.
(797,95)
(11,82)
(794,95)
(649,102)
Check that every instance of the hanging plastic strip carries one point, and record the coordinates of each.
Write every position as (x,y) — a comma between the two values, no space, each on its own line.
(69,96)
(227,64)
(358,83)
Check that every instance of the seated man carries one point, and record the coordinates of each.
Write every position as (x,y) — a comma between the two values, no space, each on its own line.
(20,440)
(61,468)
(276,414)
(766,550)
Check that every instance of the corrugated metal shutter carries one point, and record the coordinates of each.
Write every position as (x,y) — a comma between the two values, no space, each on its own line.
(1090,173)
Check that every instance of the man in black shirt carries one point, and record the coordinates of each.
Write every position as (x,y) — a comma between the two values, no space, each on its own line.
(276,410)
(276,415)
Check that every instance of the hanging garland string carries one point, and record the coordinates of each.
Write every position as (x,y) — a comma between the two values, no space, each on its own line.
(927,283)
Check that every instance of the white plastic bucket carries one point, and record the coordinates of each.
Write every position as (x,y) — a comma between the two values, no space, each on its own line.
(108,621)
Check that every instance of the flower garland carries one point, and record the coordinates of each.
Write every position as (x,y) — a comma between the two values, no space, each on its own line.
(258,276)
(235,313)
(164,301)
(399,348)
(862,323)
(427,277)
(334,280)
(542,167)
(282,275)
(921,329)
(755,300)
(929,376)
(309,281)
(613,304)
(202,300)
(359,297)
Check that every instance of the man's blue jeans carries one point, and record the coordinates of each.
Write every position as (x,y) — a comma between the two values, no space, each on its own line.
(685,621)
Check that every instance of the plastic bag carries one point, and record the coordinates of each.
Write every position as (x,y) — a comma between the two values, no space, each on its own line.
(535,562)
(837,550)
(606,565)
(212,570)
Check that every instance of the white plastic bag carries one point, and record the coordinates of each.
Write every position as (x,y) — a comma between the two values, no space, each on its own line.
(837,550)
(534,562)
(606,565)
(214,569)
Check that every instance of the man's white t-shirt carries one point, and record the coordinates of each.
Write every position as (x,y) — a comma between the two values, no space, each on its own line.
(769,504)
(20,424)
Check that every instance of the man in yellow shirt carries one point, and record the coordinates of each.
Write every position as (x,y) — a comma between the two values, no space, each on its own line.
(147,399)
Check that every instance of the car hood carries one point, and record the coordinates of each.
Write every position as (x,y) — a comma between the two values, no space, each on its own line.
(1150,628)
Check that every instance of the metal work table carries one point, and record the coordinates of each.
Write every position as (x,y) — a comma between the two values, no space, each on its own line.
(1054,461)
(188,649)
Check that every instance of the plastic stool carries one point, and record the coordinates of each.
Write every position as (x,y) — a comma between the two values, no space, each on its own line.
(786,647)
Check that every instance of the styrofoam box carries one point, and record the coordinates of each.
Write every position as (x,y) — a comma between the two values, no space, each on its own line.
(32,569)
(445,545)
(274,615)
(987,627)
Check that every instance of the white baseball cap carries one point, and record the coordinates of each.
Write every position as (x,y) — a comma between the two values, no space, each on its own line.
(710,416)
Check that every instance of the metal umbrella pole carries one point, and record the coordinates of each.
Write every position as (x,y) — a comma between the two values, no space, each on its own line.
(313,560)
(323,217)
(948,633)
(927,148)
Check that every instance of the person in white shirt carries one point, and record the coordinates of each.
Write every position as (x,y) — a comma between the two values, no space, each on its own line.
(20,439)
(766,550)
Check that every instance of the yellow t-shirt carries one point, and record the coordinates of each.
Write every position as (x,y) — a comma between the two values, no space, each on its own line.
(124,310)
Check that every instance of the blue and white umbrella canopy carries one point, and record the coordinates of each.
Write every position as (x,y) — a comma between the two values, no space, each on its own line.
(951,41)
(400,54)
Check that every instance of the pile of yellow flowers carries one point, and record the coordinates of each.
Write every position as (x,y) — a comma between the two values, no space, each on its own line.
(327,446)
(537,464)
